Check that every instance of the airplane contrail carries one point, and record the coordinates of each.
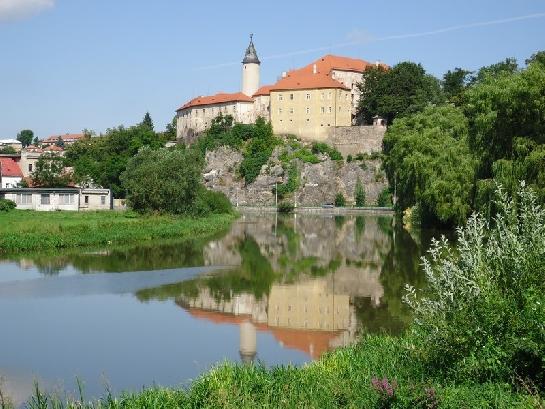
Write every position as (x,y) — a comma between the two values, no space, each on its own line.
(386,38)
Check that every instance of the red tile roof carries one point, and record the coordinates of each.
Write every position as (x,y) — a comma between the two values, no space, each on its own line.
(10,168)
(69,137)
(264,90)
(220,98)
(302,80)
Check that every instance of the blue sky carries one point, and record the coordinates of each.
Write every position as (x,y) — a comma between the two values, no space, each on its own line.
(66,65)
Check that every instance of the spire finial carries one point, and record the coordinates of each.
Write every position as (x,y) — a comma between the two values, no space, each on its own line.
(251,37)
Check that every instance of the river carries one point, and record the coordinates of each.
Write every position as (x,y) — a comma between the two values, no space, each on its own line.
(273,289)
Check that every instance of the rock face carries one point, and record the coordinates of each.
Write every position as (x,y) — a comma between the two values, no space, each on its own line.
(318,183)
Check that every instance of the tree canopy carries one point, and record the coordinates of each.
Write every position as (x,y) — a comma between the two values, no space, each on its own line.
(101,160)
(25,137)
(50,172)
(402,90)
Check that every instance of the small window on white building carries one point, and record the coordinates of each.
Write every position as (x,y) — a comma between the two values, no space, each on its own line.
(86,200)
(102,200)
(30,167)
(66,199)
(308,97)
(23,199)
(45,199)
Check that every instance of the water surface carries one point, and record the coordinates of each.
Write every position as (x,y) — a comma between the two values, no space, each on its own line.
(272,289)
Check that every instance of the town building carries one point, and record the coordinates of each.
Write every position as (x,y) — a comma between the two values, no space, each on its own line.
(50,199)
(11,143)
(66,139)
(306,102)
(10,173)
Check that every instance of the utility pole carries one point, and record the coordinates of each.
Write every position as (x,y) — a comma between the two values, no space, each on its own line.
(276,195)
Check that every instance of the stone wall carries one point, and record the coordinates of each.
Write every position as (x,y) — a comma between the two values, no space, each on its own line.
(351,140)
(319,183)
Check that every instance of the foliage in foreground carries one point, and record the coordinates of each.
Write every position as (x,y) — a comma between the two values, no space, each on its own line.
(7,205)
(348,377)
(483,314)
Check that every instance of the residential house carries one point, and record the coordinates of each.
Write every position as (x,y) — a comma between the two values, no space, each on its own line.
(10,173)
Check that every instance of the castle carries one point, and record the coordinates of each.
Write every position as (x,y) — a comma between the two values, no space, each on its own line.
(307,102)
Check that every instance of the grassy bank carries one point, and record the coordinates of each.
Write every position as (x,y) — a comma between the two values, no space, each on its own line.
(352,377)
(28,230)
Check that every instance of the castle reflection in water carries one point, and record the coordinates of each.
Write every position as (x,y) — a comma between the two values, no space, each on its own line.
(322,271)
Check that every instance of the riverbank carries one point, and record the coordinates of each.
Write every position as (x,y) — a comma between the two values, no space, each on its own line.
(335,211)
(22,230)
(376,373)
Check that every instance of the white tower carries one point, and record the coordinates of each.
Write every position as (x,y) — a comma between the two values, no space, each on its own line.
(250,70)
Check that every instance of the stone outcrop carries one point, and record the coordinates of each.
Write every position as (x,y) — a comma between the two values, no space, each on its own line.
(319,183)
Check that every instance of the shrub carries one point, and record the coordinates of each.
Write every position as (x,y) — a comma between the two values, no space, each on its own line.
(212,202)
(163,180)
(324,148)
(483,313)
(7,205)
(340,201)
(285,207)
(359,194)
(349,158)
(292,183)
(385,198)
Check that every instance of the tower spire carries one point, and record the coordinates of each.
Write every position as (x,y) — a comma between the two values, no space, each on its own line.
(250,57)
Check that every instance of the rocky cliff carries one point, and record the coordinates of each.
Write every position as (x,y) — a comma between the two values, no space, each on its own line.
(318,182)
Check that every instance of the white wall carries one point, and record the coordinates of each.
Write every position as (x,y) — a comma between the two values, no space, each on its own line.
(9,181)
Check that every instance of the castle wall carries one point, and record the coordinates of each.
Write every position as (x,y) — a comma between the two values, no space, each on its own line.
(192,121)
(351,140)
(309,114)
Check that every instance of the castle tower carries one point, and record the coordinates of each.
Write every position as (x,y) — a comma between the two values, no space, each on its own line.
(250,70)
(248,342)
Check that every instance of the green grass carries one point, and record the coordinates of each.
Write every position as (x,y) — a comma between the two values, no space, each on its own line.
(22,230)
(341,379)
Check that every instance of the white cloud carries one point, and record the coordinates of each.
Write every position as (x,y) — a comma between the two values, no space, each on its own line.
(11,10)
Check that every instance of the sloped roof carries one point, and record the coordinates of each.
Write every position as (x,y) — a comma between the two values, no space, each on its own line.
(65,137)
(9,142)
(220,98)
(328,63)
(10,168)
(302,80)
(250,56)
(264,90)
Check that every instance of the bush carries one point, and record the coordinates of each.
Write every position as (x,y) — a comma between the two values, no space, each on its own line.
(340,201)
(359,194)
(324,148)
(163,180)
(285,207)
(7,205)
(212,202)
(292,183)
(385,198)
(483,313)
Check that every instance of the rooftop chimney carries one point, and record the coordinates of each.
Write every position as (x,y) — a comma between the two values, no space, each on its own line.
(314,69)
(284,74)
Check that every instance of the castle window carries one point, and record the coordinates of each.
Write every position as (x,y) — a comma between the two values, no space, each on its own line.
(322,110)
(322,95)
(329,95)
(308,97)
(291,97)
(280,97)
(339,109)
(308,110)
(347,96)
(291,111)
(279,110)
(329,109)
